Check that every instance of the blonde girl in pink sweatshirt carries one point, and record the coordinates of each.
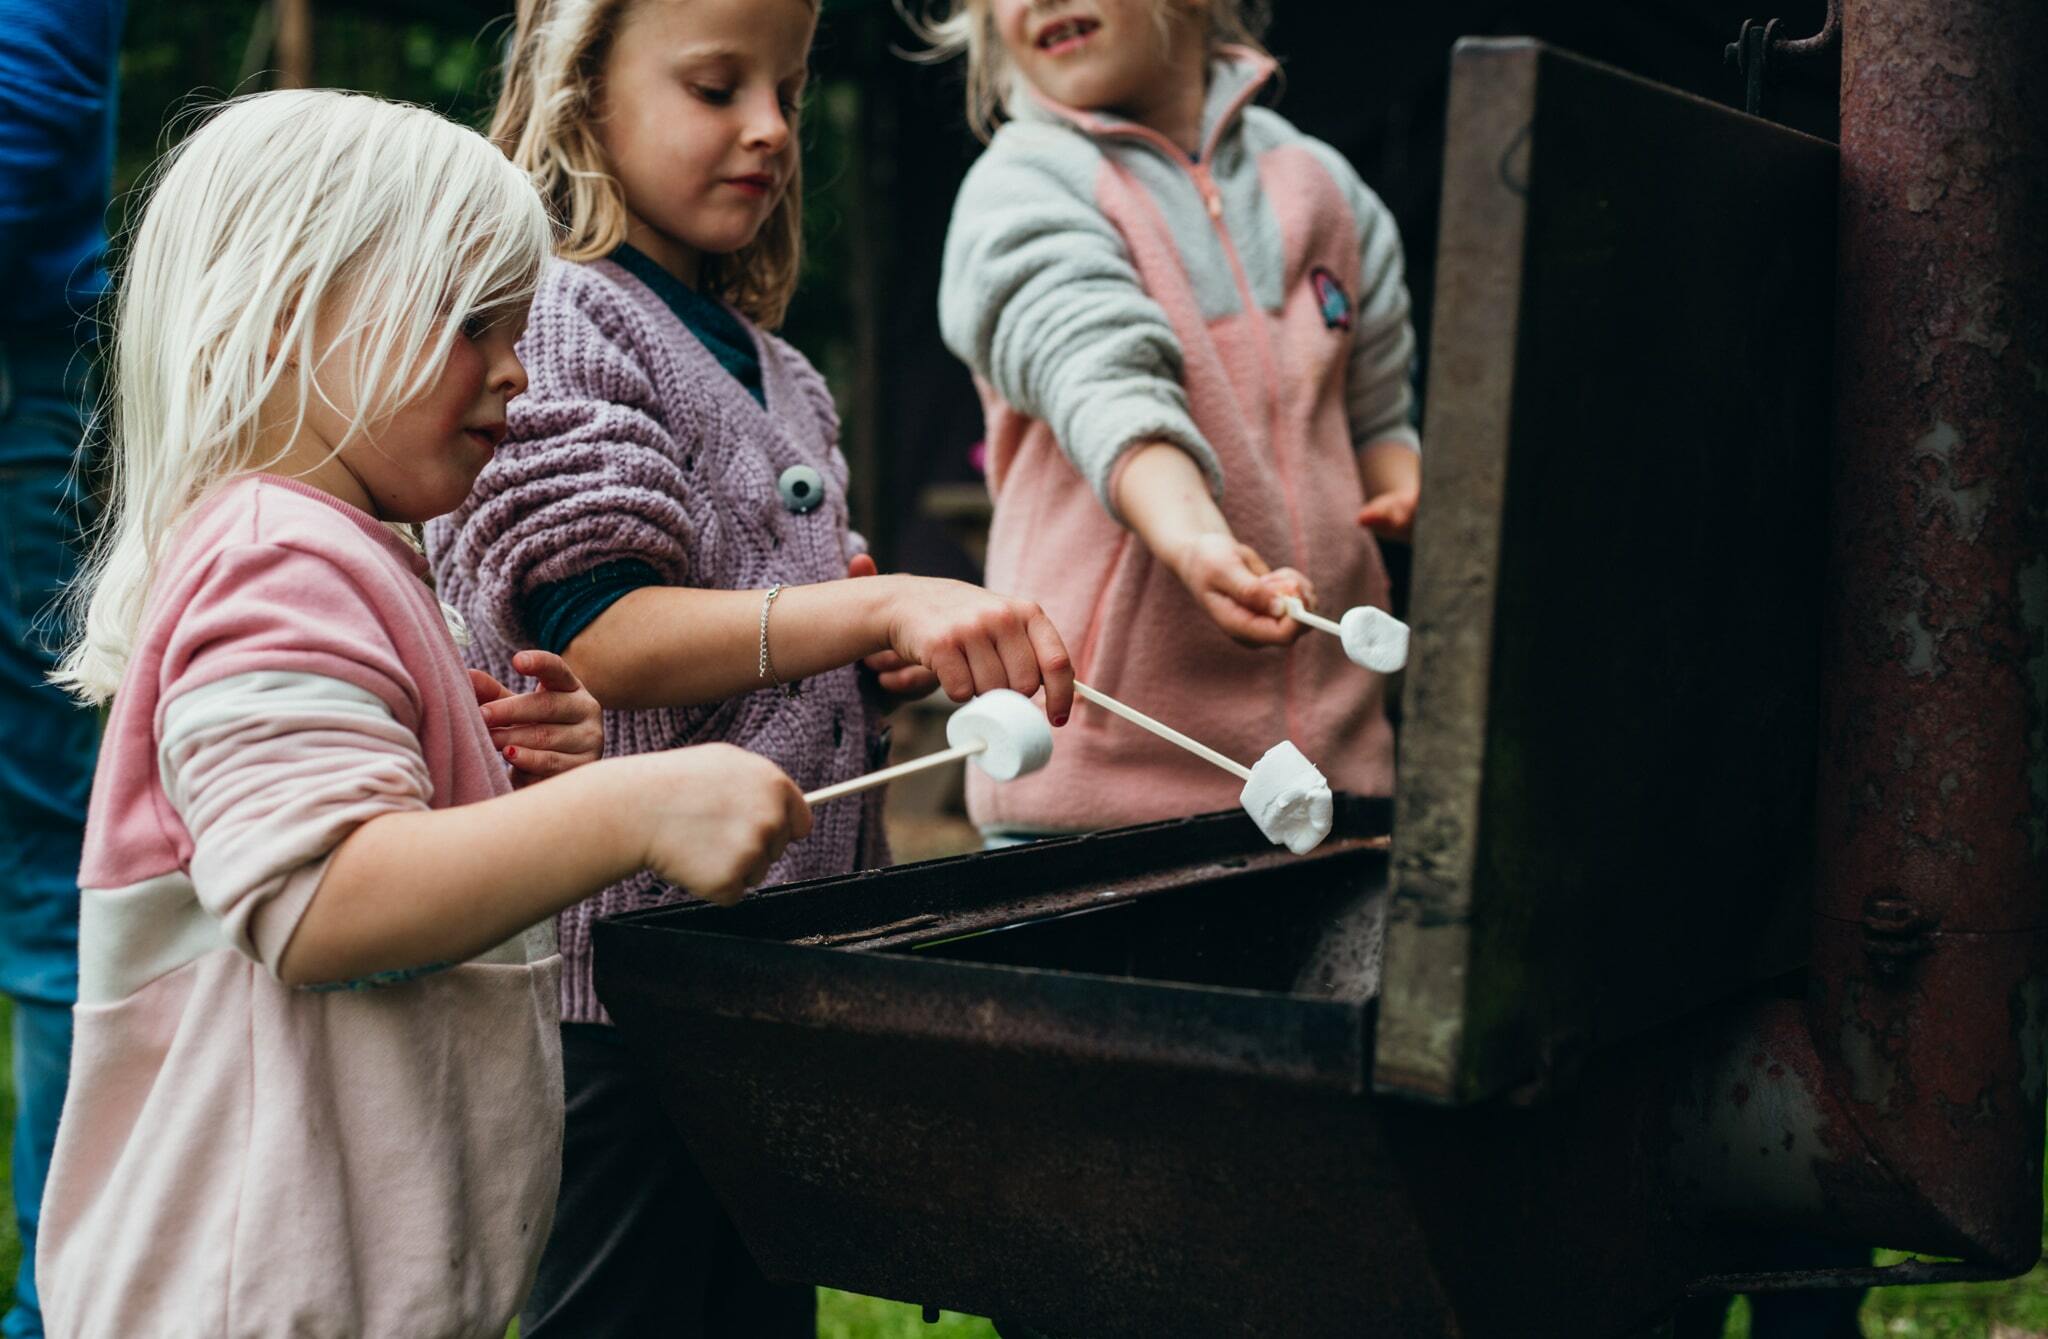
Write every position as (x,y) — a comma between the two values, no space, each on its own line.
(1189,326)
(316,1088)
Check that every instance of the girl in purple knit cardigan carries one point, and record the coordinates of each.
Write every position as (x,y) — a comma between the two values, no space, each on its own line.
(669,514)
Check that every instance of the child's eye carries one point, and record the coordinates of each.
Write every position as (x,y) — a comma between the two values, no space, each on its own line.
(474,325)
(717,97)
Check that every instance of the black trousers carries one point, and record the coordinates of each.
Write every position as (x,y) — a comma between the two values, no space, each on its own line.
(640,1248)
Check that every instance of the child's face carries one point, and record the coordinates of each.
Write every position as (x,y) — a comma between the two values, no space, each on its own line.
(1099,55)
(697,118)
(421,462)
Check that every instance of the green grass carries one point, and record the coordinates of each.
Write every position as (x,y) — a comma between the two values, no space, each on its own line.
(2014,1310)
(851,1316)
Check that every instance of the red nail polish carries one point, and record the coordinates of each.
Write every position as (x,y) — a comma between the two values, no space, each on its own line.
(1062,720)
(510,753)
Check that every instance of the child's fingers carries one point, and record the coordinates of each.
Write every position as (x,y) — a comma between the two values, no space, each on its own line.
(552,671)
(1390,515)
(538,708)
(1286,581)
(986,664)
(486,688)
(861,565)
(559,738)
(1055,668)
(796,814)
(1020,659)
(886,662)
(724,895)
(1252,629)
(950,664)
(537,763)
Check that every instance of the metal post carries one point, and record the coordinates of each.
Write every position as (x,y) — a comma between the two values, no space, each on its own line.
(1902,1104)
(1927,1011)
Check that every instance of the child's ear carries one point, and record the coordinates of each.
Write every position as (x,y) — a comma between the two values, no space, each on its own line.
(280,332)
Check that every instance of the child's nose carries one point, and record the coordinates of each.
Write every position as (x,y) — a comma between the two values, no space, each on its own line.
(510,376)
(768,127)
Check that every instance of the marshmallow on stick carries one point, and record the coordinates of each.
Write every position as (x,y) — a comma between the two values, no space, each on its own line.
(1004,734)
(1285,793)
(1372,637)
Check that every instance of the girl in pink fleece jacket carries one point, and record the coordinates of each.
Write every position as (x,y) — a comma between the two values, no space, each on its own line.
(316,1088)
(1190,330)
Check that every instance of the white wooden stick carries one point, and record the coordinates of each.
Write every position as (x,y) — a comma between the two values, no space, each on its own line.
(1163,730)
(1301,613)
(888,774)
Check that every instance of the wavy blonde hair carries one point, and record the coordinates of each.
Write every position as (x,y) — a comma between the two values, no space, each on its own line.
(281,209)
(952,28)
(545,123)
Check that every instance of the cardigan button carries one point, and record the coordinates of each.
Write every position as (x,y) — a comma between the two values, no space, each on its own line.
(802,488)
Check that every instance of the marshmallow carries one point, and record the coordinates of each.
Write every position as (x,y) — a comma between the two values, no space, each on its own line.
(1289,799)
(1014,734)
(1374,638)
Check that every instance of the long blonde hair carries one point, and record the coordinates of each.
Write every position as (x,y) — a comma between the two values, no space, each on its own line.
(967,27)
(395,223)
(545,123)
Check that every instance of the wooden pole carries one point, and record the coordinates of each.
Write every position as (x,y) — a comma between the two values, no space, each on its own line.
(294,43)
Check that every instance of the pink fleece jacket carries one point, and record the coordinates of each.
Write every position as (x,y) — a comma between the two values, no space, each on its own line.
(239,1159)
(1246,304)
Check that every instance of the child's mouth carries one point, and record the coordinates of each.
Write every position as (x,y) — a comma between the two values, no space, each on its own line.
(1066,35)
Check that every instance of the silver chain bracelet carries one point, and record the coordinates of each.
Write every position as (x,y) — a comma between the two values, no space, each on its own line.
(767,669)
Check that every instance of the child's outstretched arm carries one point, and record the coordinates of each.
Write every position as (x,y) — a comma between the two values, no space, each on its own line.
(290,740)
(1040,297)
(444,885)
(1166,502)
(679,645)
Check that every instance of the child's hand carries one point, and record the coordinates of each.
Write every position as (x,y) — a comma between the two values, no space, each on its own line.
(898,679)
(1391,515)
(1238,592)
(547,731)
(973,640)
(714,817)
(1392,474)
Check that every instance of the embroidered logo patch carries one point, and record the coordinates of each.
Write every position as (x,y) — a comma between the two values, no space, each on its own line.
(1330,295)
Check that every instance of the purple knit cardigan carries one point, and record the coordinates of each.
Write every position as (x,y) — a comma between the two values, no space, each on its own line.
(632,442)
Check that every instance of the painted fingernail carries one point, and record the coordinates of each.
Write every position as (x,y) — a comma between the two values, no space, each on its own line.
(511,754)
(1061,719)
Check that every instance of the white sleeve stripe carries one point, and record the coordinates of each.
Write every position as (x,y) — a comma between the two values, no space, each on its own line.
(270,771)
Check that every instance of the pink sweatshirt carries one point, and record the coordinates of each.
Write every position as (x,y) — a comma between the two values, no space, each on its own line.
(376,1160)
(1246,305)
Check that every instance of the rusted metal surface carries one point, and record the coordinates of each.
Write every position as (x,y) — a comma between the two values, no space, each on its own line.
(1934,768)
(1606,791)
(1901,1102)
(1133,1117)
(1767,1138)
(1142,1132)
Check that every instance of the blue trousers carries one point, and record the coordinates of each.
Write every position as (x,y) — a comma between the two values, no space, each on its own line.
(46,763)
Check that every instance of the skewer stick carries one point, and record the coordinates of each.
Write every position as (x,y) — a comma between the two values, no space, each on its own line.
(1301,613)
(888,774)
(1163,730)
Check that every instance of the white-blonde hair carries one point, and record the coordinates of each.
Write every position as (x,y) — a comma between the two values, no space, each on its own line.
(546,122)
(393,224)
(967,27)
